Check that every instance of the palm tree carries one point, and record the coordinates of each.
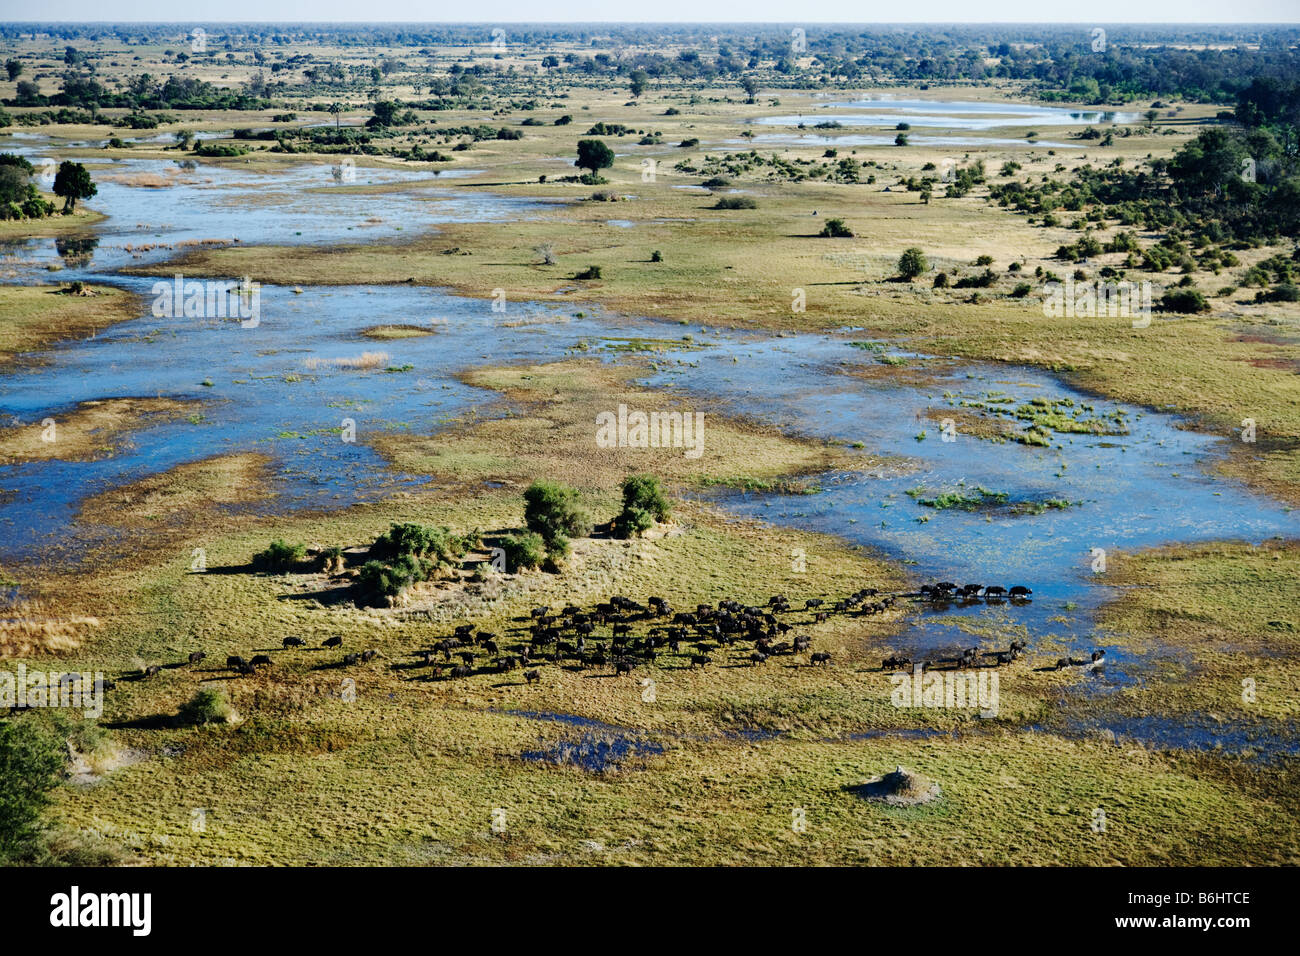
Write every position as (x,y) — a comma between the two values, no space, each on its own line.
(335,110)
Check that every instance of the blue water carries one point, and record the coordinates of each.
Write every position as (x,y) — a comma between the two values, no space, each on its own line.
(842,140)
(948,114)
(301,204)
(1130,491)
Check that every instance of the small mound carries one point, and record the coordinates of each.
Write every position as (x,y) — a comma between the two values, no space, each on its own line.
(901,788)
(384,332)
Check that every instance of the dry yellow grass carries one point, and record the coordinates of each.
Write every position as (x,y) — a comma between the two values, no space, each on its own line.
(36,316)
(36,628)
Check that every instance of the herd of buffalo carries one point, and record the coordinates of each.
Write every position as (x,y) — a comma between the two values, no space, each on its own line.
(622,634)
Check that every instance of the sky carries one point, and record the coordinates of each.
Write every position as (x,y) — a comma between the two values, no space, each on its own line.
(1094,12)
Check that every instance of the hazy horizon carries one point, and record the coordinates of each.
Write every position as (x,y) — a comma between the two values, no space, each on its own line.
(1154,12)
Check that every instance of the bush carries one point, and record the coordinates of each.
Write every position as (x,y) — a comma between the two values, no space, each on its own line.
(279,556)
(552,510)
(420,541)
(208,706)
(912,263)
(31,759)
(656,256)
(1185,301)
(591,272)
(526,550)
(735,202)
(644,503)
(632,523)
(836,229)
(984,280)
(378,579)
(1286,292)
(941,280)
(1021,290)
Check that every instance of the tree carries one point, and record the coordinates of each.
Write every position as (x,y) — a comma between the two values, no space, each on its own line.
(594,155)
(30,762)
(13,68)
(385,114)
(552,510)
(335,110)
(28,94)
(72,182)
(644,503)
(750,85)
(912,263)
(637,82)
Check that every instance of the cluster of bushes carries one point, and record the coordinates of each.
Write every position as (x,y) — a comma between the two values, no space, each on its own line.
(218,149)
(554,515)
(408,553)
(983,280)
(735,202)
